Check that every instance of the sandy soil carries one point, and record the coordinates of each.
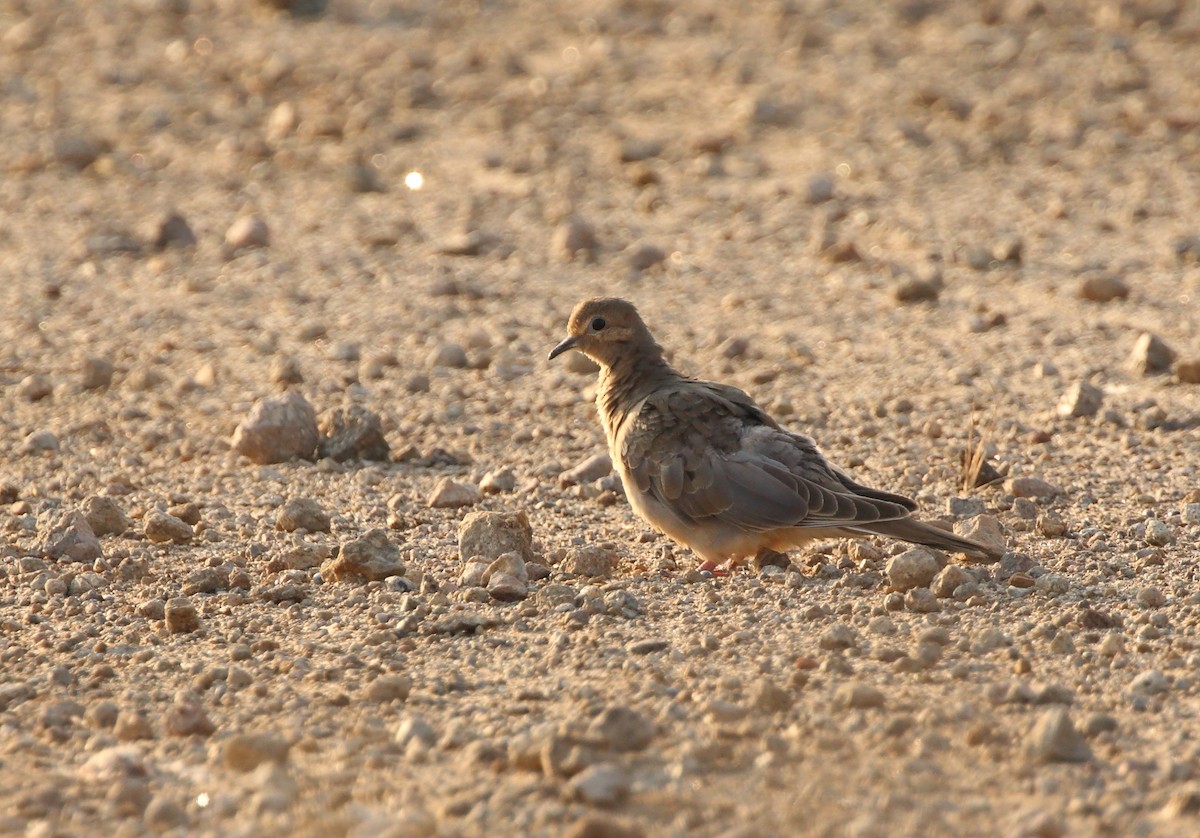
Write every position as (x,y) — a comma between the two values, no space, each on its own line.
(902,226)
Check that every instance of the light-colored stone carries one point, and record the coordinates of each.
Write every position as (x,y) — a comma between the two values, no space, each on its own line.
(104,516)
(1055,739)
(506,587)
(38,442)
(70,538)
(572,239)
(188,718)
(449,356)
(623,728)
(303,513)
(162,528)
(1188,371)
(278,429)
(450,494)
(948,581)
(593,468)
(602,784)
(247,232)
(914,568)
(1150,355)
(859,696)
(371,558)
(596,560)
(1081,399)
(132,725)
(415,728)
(1104,288)
(837,637)
(984,529)
(388,688)
(921,601)
(1150,682)
(1031,487)
(492,534)
(181,615)
(498,481)
(35,387)
(1158,534)
(243,752)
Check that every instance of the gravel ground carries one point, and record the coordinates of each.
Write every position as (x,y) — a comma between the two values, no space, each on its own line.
(301,534)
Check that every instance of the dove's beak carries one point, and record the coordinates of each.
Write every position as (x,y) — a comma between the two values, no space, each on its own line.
(569,343)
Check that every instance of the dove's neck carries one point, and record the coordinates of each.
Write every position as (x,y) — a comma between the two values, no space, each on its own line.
(626,382)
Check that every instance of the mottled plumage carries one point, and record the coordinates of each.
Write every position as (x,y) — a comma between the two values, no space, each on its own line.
(708,467)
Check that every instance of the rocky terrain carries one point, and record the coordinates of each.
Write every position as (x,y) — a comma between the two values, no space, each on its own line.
(301,534)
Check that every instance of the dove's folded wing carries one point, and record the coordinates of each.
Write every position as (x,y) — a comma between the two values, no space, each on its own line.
(710,453)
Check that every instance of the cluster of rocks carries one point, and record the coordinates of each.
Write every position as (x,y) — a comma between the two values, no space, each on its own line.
(286,427)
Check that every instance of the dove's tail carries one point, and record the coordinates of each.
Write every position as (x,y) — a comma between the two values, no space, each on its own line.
(918,532)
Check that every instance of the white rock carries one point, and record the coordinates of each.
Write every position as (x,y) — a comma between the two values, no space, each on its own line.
(602,784)
(489,535)
(592,560)
(510,563)
(1150,355)
(913,568)
(473,573)
(984,529)
(449,355)
(415,727)
(1150,682)
(1158,534)
(247,232)
(1030,487)
(39,441)
(593,468)
(1055,739)
(70,538)
(1080,399)
(948,581)
(858,696)
(497,481)
(450,494)
(278,429)
(506,587)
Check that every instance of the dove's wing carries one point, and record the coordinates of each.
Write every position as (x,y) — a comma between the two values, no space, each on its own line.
(709,452)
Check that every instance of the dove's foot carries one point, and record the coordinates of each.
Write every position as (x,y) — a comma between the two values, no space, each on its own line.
(713,568)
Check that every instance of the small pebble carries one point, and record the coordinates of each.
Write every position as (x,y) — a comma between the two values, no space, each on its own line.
(603,784)
(1158,534)
(243,752)
(278,429)
(1104,288)
(34,388)
(857,696)
(162,528)
(181,616)
(247,232)
(1081,399)
(1054,738)
(914,568)
(450,494)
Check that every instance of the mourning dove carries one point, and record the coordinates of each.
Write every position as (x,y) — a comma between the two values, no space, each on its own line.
(704,464)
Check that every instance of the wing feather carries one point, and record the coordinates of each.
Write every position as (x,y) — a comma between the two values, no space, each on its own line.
(711,454)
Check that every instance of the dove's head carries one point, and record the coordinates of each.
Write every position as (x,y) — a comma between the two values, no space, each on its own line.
(607,330)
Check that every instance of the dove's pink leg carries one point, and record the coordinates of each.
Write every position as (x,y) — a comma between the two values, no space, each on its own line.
(714,568)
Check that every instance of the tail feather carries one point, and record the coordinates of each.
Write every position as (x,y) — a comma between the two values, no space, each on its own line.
(927,535)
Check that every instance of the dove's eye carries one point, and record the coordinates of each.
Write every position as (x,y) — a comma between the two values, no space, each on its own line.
(598,324)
